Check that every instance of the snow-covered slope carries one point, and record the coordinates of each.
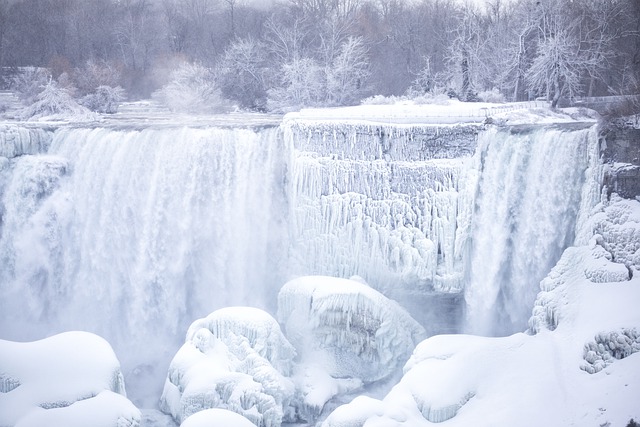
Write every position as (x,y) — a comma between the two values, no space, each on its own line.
(70,379)
(579,368)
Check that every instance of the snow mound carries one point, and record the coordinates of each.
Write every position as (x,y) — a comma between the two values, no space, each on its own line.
(216,418)
(354,329)
(531,380)
(235,359)
(70,379)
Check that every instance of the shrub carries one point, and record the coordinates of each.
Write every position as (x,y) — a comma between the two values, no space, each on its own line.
(105,99)
(56,102)
(29,82)
(492,95)
(192,89)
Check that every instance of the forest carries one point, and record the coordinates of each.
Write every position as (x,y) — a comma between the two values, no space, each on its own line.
(288,54)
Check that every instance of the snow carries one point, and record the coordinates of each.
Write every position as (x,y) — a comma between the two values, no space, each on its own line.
(580,367)
(216,418)
(408,112)
(236,359)
(70,379)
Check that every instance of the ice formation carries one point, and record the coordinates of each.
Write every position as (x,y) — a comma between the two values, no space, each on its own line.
(70,379)
(237,359)
(391,204)
(579,326)
(351,329)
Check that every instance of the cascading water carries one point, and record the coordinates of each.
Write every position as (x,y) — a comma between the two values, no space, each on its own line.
(134,234)
(528,201)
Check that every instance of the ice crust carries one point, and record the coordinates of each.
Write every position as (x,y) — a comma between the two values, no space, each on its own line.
(351,328)
(70,379)
(237,359)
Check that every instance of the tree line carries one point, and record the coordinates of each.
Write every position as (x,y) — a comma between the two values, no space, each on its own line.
(294,53)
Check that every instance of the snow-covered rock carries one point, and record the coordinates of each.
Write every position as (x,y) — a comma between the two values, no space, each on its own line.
(347,335)
(357,331)
(70,379)
(237,359)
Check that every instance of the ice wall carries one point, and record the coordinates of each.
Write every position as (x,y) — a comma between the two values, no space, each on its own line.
(391,204)
(133,234)
(533,184)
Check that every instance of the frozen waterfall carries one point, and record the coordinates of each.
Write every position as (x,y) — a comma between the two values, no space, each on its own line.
(133,234)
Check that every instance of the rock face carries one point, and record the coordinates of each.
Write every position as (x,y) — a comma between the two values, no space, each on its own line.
(620,148)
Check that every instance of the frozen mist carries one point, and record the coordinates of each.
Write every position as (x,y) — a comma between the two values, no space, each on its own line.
(135,233)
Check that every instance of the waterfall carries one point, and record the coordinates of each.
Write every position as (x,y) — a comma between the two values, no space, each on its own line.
(133,234)
(528,200)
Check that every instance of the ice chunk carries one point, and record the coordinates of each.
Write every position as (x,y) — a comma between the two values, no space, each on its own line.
(216,418)
(235,359)
(70,379)
(354,330)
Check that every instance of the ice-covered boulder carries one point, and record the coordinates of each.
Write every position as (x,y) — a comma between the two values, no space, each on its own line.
(70,379)
(352,329)
(347,335)
(237,359)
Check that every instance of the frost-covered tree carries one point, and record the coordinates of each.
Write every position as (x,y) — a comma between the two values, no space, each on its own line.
(55,102)
(301,84)
(243,73)
(105,99)
(555,70)
(96,73)
(29,82)
(192,89)
(347,76)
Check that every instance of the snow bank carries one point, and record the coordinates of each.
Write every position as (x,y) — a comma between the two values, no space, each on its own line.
(580,368)
(235,359)
(70,379)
